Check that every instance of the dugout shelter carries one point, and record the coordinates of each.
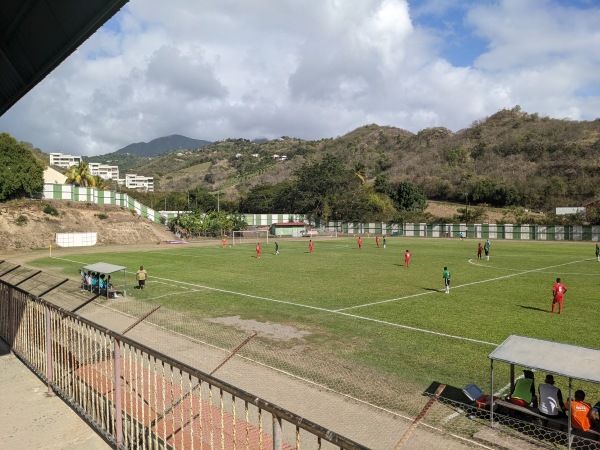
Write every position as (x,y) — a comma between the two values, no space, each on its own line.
(569,361)
(109,269)
(288,229)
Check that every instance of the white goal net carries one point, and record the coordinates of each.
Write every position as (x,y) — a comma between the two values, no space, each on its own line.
(250,236)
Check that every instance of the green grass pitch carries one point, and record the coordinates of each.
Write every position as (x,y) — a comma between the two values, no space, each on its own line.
(368,309)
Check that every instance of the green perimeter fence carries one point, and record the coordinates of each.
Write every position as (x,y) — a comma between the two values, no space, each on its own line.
(473,231)
(53,191)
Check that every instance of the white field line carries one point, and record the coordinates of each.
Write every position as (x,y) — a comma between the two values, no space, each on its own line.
(489,266)
(354,316)
(381,322)
(459,286)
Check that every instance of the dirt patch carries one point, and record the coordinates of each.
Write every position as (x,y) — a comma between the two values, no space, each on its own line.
(450,210)
(25,226)
(264,329)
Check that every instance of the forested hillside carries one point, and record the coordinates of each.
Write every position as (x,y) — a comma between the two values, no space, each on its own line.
(510,158)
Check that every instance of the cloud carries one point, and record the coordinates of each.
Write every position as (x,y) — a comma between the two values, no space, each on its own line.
(312,70)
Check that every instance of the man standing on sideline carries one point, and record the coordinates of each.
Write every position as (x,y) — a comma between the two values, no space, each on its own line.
(276,248)
(479,250)
(359,243)
(141,276)
(446,277)
(258,251)
(597,252)
(310,246)
(558,294)
(377,241)
(406,258)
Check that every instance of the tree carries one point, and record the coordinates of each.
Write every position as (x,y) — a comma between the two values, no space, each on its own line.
(100,183)
(323,187)
(80,175)
(21,174)
(409,197)
(269,198)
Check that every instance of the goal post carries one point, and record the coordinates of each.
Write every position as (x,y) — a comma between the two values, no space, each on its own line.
(249,236)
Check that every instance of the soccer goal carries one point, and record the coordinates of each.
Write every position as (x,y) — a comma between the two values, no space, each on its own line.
(249,237)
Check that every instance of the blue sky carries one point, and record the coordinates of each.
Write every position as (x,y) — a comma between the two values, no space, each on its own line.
(312,69)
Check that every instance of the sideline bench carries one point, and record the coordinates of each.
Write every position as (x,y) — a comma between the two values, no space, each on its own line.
(561,422)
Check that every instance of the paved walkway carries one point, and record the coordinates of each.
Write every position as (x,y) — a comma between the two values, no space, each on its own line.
(32,418)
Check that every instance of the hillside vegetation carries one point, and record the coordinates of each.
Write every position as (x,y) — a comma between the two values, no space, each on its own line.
(509,158)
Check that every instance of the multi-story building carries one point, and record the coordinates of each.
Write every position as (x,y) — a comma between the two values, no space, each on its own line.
(133,181)
(62,160)
(104,171)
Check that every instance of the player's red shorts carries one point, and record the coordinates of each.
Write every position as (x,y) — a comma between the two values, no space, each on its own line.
(558,299)
(518,401)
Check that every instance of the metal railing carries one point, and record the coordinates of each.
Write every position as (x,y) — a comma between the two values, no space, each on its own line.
(139,398)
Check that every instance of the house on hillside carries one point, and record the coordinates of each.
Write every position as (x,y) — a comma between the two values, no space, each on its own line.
(104,171)
(54,176)
(295,229)
(63,160)
(562,211)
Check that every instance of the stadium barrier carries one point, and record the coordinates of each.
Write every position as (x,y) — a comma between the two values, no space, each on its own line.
(140,398)
(54,191)
(473,231)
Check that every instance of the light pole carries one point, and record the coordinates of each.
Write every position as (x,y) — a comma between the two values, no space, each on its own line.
(466,213)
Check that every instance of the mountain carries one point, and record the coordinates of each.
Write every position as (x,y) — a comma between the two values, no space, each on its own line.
(508,158)
(163,145)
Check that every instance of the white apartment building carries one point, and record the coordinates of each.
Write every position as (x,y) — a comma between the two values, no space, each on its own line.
(62,160)
(104,171)
(133,181)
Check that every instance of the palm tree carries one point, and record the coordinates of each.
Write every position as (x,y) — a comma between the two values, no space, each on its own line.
(359,171)
(100,183)
(80,175)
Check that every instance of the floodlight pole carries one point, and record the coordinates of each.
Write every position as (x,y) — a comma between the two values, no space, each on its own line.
(466,213)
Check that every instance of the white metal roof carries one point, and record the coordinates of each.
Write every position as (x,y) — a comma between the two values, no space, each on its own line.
(102,267)
(554,357)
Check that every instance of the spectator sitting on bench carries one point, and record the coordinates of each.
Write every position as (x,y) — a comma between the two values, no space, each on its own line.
(580,412)
(596,418)
(524,391)
(94,282)
(551,402)
(102,284)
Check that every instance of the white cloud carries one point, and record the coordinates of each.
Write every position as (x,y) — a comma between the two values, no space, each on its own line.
(311,69)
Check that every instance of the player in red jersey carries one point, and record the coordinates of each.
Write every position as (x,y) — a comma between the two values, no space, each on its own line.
(377,241)
(359,243)
(310,246)
(257,251)
(407,255)
(558,294)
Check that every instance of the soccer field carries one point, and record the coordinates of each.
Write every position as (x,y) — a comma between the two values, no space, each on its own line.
(363,311)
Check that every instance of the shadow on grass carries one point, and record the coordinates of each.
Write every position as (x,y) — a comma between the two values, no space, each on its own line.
(533,308)
(450,392)
(433,289)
